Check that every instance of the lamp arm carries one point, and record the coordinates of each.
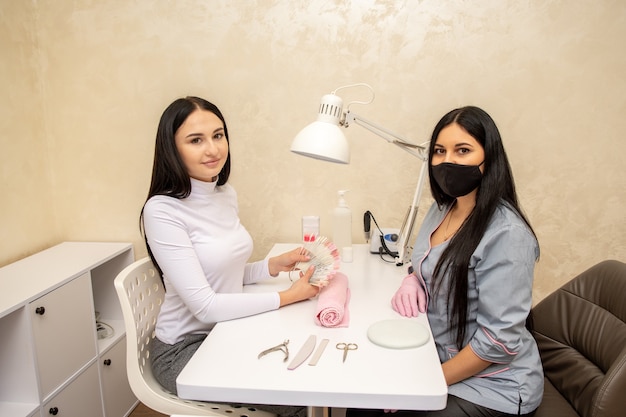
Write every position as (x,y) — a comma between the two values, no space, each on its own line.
(419,151)
(407,226)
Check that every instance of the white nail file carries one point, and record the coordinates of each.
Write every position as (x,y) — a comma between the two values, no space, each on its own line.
(304,352)
(318,352)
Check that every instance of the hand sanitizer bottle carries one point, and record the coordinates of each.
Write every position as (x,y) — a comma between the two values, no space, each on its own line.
(342,228)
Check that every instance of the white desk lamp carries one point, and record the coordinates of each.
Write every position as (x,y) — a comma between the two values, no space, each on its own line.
(323,139)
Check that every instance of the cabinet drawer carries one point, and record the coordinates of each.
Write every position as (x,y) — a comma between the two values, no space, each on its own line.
(81,398)
(64,332)
(117,395)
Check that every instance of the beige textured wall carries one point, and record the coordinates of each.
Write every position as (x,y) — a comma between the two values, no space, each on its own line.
(84,83)
(28,220)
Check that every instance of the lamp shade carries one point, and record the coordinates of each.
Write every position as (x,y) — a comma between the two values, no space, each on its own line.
(323,139)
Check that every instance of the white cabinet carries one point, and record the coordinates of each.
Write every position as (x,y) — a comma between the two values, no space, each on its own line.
(80,398)
(116,393)
(63,323)
(53,361)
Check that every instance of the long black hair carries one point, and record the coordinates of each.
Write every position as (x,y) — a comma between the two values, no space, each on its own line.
(497,187)
(169,174)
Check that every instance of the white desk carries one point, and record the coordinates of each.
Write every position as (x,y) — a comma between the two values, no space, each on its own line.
(226,369)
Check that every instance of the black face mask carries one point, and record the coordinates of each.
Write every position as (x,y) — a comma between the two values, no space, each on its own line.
(457,180)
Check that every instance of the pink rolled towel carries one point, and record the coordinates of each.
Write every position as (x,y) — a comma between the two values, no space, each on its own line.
(332,303)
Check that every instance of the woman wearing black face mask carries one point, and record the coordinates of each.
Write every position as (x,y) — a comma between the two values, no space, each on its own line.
(473,264)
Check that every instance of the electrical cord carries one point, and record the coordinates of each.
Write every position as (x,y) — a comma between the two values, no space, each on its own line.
(104,330)
(383,250)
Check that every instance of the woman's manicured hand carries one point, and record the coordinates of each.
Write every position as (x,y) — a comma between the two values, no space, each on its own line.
(300,290)
(287,261)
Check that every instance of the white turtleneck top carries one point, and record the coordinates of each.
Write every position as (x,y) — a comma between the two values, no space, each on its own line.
(203,249)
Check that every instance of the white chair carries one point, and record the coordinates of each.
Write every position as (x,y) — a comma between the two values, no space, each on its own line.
(141,294)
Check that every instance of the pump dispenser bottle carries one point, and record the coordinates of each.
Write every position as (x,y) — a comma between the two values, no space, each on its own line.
(342,227)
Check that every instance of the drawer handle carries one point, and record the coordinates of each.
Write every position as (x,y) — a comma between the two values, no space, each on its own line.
(40,311)
(54,411)
(107,362)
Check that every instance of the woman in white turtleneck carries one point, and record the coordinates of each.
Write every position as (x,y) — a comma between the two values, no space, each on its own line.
(195,238)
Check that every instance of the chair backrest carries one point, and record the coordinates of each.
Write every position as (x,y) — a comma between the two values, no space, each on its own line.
(581,333)
(141,293)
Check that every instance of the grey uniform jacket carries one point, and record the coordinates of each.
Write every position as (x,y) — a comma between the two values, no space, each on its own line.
(499,300)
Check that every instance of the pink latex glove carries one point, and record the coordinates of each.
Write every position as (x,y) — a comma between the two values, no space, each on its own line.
(410,299)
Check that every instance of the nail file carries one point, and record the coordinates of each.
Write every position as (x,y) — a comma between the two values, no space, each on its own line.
(304,352)
(318,352)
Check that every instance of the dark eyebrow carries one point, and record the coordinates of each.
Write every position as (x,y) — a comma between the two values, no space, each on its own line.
(457,145)
(194,134)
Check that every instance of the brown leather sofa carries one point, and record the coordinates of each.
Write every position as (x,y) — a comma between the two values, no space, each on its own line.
(581,333)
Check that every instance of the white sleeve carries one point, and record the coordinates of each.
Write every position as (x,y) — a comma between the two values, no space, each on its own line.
(171,247)
(256,271)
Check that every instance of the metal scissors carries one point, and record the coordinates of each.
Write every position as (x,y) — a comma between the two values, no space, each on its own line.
(346,347)
(282,347)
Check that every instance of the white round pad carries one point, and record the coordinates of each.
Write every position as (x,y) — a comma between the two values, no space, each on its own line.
(398,334)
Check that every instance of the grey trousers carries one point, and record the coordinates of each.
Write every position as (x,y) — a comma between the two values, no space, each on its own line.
(169,360)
